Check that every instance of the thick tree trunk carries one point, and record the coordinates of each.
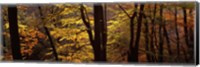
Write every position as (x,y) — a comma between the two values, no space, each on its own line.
(100,33)
(14,34)
(137,40)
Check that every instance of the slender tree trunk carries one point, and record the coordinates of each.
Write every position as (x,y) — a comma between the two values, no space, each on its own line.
(191,42)
(177,35)
(104,33)
(49,36)
(153,58)
(167,38)
(147,40)
(131,44)
(14,34)
(131,49)
(189,45)
(185,26)
(96,48)
(4,41)
(51,43)
(160,58)
(87,24)
(185,54)
(137,40)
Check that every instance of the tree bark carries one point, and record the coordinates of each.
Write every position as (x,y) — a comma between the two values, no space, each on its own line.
(137,40)
(177,35)
(147,40)
(49,36)
(189,45)
(167,38)
(14,33)
(100,34)
(104,33)
(131,44)
(160,58)
(99,40)
(153,58)
(87,24)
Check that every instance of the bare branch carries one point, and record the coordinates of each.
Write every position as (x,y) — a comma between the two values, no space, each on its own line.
(124,10)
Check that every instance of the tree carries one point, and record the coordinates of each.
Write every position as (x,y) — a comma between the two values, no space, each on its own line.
(160,58)
(137,40)
(167,37)
(187,40)
(100,36)
(99,22)
(14,34)
(49,36)
(153,34)
(177,34)
(147,39)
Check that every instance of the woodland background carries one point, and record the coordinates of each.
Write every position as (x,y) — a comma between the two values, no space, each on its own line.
(99,32)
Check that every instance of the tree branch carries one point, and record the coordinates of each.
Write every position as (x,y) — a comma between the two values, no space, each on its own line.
(124,10)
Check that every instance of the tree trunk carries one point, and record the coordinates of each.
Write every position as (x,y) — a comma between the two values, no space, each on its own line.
(189,45)
(147,40)
(177,35)
(100,34)
(137,40)
(153,58)
(87,24)
(14,34)
(49,36)
(131,49)
(167,38)
(51,43)
(104,33)
(160,58)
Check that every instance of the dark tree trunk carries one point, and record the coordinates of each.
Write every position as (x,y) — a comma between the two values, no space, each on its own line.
(104,33)
(137,40)
(160,58)
(167,38)
(4,41)
(185,26)
(131,49)
(131,44)
(99,40)
(153,58)
(87,24)
(188,43)
(100,34)
(177,35)
(51,43)
(48,35)
(191,42)
(14,34)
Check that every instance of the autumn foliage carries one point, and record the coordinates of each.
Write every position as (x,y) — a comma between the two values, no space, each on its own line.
(103,32)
